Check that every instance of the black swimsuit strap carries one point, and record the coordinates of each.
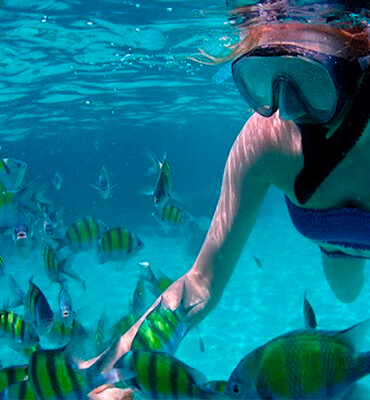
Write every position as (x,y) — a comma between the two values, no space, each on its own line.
(322,155)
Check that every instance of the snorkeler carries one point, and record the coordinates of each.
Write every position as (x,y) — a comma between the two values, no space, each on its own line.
(309,136)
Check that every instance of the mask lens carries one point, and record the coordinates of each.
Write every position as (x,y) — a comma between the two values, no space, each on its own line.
(257,78)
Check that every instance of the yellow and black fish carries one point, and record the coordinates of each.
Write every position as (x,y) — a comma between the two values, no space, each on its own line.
(11,375)
(117,244)
(54,375)
(169,215)
(163,186)
(84,234)
(158,375)
(39,309)
(14,327)
(19,391)
(302,364)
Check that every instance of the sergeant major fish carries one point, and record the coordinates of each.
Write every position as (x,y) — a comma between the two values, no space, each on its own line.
(54,374)
(19,391)
(39,309)
(57,267)
(23,236)
(15,328)
(104,187)
(83,234)
(303,364)
(158,375)
(163,185)
(117,244)
(65,304)
(163,329)
(11,375)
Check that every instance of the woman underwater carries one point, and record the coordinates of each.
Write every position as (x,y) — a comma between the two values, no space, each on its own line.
(309,135)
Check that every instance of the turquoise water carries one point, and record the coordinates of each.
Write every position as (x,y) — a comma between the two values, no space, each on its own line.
(90,83)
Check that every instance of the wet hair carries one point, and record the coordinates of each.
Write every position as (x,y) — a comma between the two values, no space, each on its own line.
(354,41)
(347,22)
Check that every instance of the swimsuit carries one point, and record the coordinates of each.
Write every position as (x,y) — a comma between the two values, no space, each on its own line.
(345,227)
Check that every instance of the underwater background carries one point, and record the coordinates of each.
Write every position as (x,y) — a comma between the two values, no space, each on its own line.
(91,83)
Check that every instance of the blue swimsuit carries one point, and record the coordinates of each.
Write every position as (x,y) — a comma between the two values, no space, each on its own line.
(346,227)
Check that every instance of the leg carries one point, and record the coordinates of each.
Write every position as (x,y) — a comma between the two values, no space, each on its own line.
(345,276)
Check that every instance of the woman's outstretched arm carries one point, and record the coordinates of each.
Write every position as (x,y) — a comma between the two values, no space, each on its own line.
(250,169)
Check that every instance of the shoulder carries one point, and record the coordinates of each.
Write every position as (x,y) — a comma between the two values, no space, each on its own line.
(269,147)
(271,135)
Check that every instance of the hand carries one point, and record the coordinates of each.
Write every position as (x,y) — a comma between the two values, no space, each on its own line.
(194,292)
(111,393)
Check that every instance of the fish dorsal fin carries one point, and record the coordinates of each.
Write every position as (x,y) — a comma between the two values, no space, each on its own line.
(354,337)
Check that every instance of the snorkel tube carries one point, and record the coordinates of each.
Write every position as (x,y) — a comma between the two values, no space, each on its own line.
(322,155)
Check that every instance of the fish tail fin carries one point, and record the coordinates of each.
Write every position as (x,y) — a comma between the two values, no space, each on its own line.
(363,365)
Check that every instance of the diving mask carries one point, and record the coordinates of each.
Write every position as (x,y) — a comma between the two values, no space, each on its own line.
(304,85)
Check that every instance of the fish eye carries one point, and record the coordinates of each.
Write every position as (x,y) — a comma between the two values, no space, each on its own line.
(236,389)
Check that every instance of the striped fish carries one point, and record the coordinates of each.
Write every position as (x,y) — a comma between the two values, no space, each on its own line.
(63,333)
(158,284)
(65,303)
(123,325)
(11,375)
(15,328)
(169,215)
(303,364)
(84,234)
(57,267)
(157,375)
(53,374)
(117,244)
(19,391)
(53,266)
(163,185)
(163,329)
(104,187)
(39,309)
(308,314)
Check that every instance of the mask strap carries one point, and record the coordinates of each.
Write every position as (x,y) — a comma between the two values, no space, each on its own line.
(322,155)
